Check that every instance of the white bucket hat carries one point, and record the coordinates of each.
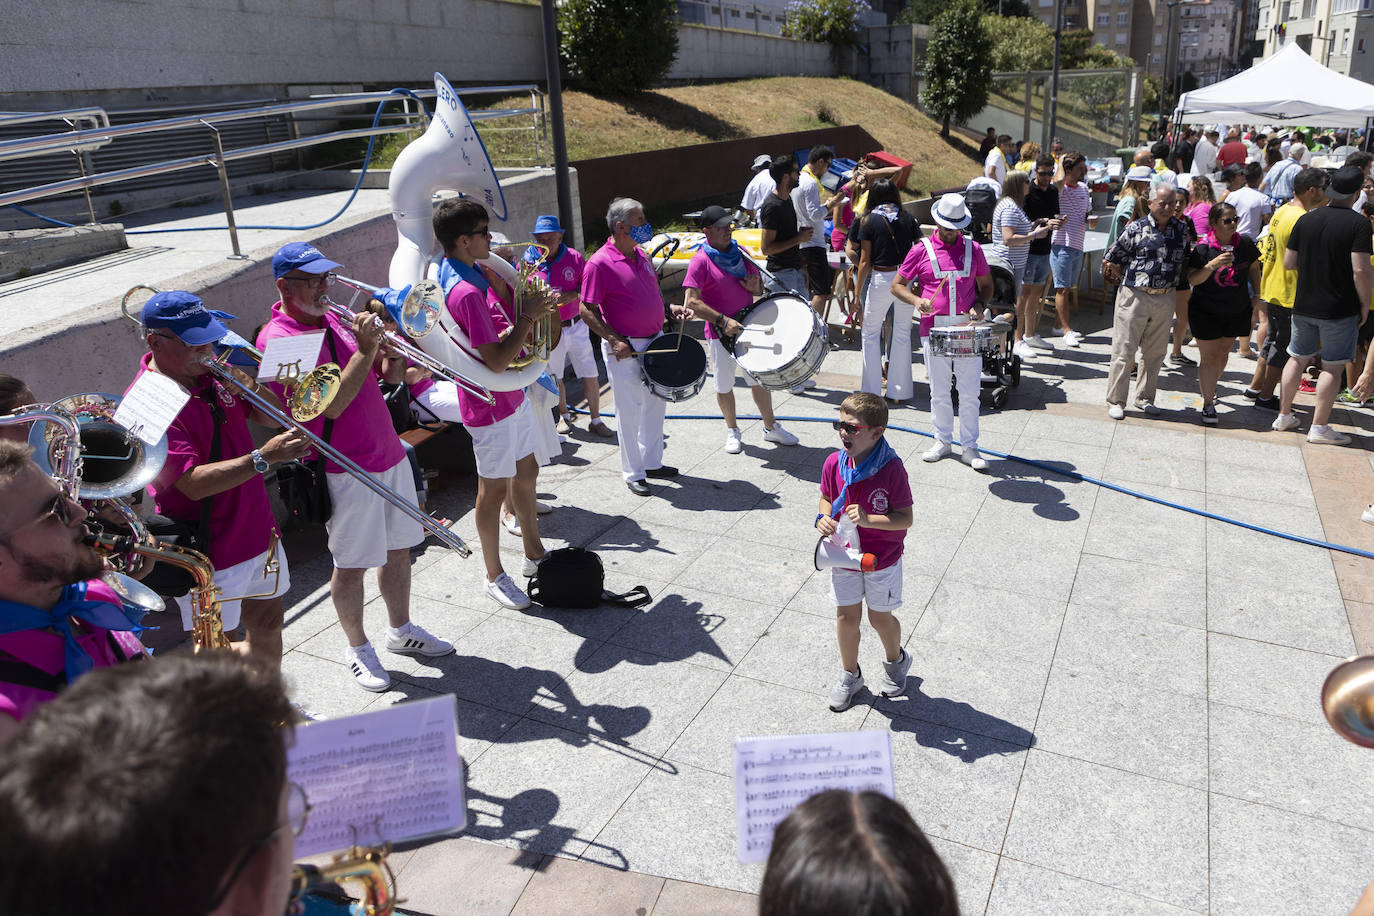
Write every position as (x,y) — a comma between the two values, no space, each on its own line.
(949,211)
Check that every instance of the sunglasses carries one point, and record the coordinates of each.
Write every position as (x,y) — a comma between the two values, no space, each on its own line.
(483,231)
(849,429)
(1229,221)
(322,281)
(1049,173)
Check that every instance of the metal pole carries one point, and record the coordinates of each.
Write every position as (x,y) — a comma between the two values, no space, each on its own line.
(560,142)
(1168,47)
(1054,75)
(224,192)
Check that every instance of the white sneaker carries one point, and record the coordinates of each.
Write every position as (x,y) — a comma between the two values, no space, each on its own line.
(1368,515)
(1072,338)
(1058,332)
(937,451)
(733,445)
(1116,412)
(972,458)
(506,593)
(804,386)
(1038,342)
(1146,407)
(529,568)
(413,639)
(1284,422)
(511,524)
(779,436)
(1325,435)
(1023,350)
(845,690)
(366,668)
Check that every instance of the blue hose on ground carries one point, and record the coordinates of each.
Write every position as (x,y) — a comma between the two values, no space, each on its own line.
(1072,475)
(367,160)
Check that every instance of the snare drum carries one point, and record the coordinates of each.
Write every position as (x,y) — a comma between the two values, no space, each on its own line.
(966,341)
(783,342)
(678,373)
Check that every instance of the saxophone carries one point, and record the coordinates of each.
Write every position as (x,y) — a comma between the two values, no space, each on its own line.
(207,629)
(368,867)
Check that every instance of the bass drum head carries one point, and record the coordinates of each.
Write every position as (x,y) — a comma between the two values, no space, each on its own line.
(776,331)
(676,375)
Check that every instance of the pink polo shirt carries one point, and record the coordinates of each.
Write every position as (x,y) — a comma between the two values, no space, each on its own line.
(917,267)
(721,291)
(483,322)
(625,289)
(363,432)
(565,275)
(884,492)
(241,521)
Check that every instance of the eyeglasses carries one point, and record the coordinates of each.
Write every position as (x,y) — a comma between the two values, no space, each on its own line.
(298,810)
(323,281)
(1047,172)
(1229,221)
(483,231)
(849,429)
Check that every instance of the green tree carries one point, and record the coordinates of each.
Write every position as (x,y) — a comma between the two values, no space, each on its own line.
(958,74)
(836,22)
(1019,44)
(617,47)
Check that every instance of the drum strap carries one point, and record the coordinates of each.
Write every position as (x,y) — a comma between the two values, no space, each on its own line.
(954,276)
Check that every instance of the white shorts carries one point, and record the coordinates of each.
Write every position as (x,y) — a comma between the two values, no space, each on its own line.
(881,589)
(440,401)
(363,526)
(723,368)
(499,446)
(241,579)
(574,346)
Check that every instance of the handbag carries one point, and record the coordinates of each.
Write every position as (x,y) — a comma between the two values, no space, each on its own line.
(572,577)
(399,405)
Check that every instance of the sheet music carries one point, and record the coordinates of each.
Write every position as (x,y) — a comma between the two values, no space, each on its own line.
(150,406)
(773,775)
(295,356)
(380,777)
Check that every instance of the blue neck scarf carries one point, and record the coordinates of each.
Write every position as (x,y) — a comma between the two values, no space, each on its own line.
(533,256)
(731,260)
(452,271)
(873,462)
(15,618)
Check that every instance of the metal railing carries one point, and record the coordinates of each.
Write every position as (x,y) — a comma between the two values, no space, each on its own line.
(83,140)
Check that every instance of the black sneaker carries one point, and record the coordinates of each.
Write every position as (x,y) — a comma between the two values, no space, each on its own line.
(1250,393)
(1182,359)
(661,473)
(1209,414)
(1268,403)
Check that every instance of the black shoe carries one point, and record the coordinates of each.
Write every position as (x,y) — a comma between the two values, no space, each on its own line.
(1268,403)
(661,473)
(638,487)
(1250,393)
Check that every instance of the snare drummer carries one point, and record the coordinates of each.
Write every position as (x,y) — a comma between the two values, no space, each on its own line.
(720,272)
(949,262)
(622,305)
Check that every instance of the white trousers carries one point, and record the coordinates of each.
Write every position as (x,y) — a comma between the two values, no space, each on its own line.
(638,413)
(966,371)
(876,305)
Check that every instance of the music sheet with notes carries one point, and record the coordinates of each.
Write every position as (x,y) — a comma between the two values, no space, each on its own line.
(380,777)
(289,358)
(773,775)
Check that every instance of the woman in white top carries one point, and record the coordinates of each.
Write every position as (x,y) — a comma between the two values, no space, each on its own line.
(1012,232)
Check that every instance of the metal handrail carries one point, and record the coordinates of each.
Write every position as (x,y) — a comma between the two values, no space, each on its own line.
(69,115)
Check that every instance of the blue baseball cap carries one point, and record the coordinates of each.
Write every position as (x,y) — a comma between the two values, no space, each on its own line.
(185,316)
(301,256)
(547,223)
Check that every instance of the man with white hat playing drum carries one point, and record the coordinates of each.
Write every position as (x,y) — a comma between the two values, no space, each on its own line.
(955,283)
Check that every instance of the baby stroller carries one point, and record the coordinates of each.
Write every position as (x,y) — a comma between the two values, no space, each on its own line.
(1001,370)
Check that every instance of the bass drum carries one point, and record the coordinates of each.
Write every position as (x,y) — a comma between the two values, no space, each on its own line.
(783,342)
(677,373)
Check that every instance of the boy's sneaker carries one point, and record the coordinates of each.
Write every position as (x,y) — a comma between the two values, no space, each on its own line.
(779,436)
(366,668)
(1209,414)
(506,593)
(733,445)
(1307,386)
(845,690)
(1348,397)
(413,639)
(893,681)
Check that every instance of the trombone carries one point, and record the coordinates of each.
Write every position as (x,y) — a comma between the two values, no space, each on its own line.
(416,315)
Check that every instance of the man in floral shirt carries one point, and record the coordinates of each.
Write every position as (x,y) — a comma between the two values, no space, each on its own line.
(1146,259)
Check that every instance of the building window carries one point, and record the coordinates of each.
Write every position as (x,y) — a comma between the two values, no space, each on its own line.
(1121,38)
(1123,19)
(1155,57)
(1359,45)
(1159,39)
(1104,19)
(1345,42)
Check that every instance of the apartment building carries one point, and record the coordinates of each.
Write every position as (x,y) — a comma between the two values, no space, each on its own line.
(1337,33)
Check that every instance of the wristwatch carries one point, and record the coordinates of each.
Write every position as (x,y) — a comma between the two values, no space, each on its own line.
(259,463)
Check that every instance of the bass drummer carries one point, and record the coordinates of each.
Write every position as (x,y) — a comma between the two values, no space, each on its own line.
(622,305)
(721,282)
(955,285)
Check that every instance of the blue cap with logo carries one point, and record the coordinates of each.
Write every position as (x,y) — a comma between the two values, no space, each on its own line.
(301,256)
(547,223)
(185,316)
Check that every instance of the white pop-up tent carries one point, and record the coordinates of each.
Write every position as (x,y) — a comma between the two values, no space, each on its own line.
(1288,88)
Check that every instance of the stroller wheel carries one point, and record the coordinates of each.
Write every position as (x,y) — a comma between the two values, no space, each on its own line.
(999,398)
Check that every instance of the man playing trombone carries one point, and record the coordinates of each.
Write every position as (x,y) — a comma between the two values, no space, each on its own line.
(213,477)
(365,531)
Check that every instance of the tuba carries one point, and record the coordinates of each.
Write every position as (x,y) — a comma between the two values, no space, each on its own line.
(450,156)
(1348,700)
(110,461)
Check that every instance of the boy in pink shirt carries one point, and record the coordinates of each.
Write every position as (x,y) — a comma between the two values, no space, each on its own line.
(865,485)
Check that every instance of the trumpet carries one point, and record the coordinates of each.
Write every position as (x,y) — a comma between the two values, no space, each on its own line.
(417,315)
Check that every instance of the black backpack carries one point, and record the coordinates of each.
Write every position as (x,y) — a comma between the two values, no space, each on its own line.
(571,577)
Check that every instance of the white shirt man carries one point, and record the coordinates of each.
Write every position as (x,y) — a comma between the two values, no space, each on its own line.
(759,187)
(1205,155)
(995,166)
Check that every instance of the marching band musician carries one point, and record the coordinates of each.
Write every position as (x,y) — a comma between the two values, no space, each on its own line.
(622,305)
(954,278)
(721,281)
(365,531)
(213,477)
(503,432)
(57,619)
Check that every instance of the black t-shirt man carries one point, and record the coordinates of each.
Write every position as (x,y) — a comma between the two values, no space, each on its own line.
(778,214)
(889,240)
(1041,203)
(1324,240)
